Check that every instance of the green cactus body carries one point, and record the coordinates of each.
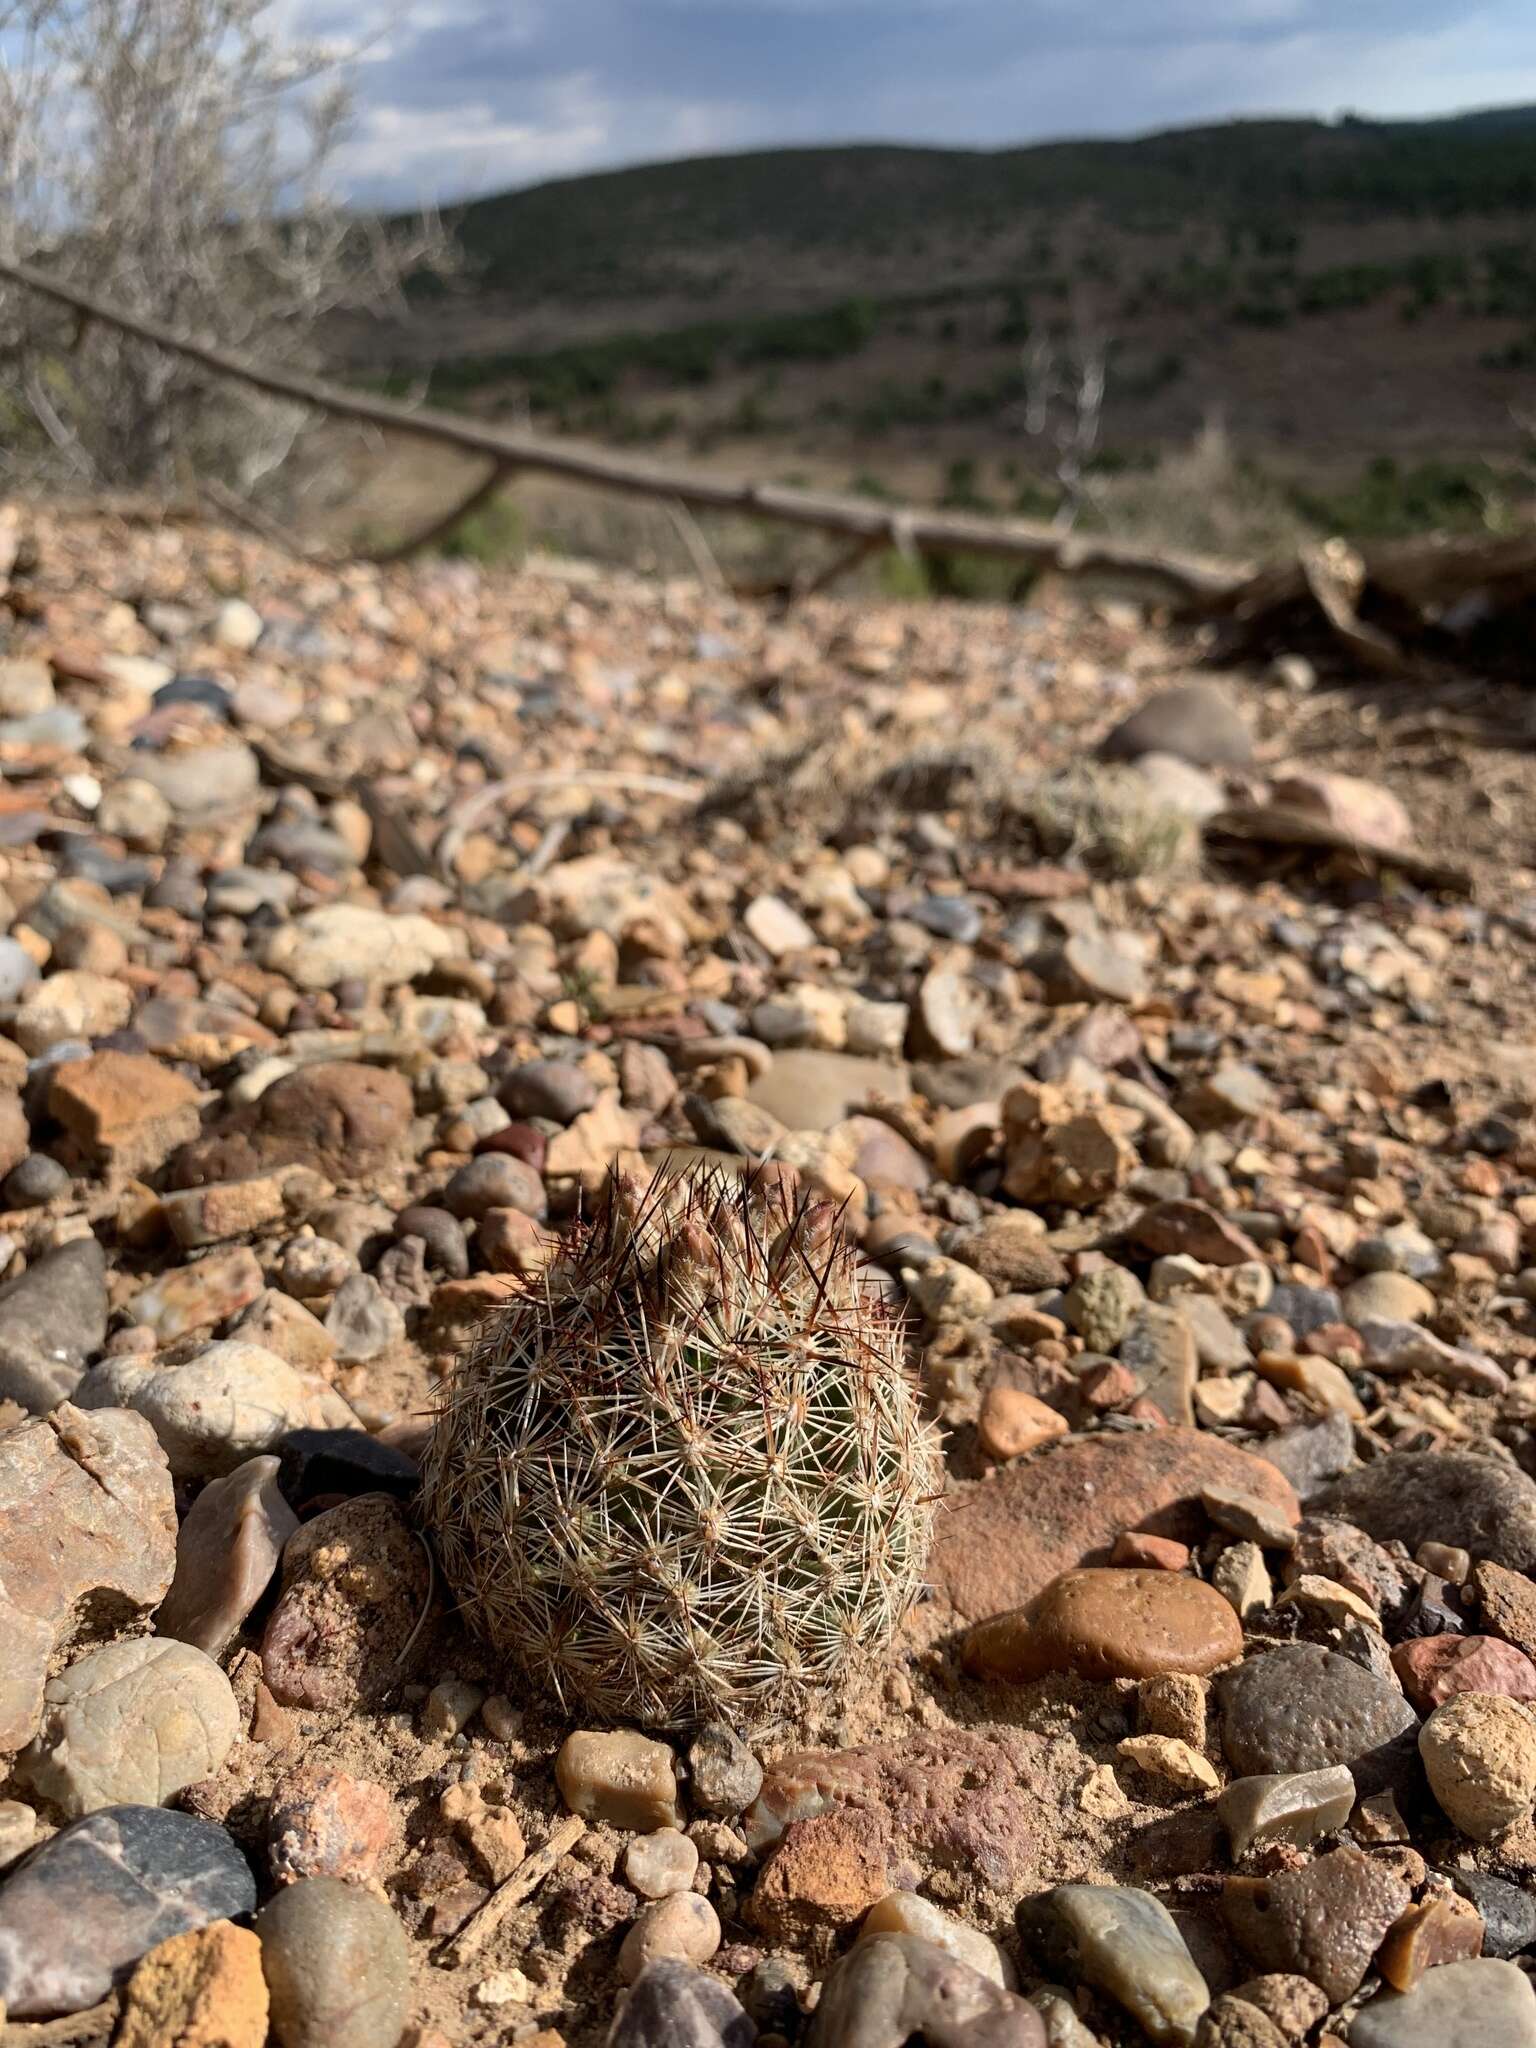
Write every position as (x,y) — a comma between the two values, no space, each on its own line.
(686,1474)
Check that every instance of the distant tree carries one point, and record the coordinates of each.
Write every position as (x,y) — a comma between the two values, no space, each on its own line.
(1065,380)
(171,156)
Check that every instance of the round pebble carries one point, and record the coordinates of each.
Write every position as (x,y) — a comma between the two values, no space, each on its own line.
(1479,1753)
(683,1928)
(1108,1624)
(337,1964)
(661,1863)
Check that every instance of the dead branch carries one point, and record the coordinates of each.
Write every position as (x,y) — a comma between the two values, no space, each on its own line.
(1189,578)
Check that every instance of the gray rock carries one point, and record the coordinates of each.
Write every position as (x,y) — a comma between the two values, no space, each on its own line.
(725,1775)
(79,1912)
(1397,1347)
(1124,1943)
(52,1319)
(1402,1249)
(1159,1347)
(202,782)
(558,1089)
(441,1233)
(226,1553)
(1300,1707)
(1509,1914)
(37,1179)
(1478,1504)
(226,1403)
(1098,966)
(1197,721)
(1305,1308)
(496,1180)
(673,2005)
(1295,1807)
(1313,1453)
(362,1321)
(18,970)
(337,1965)
(130,1725)
(894,1986)
(1181,787)
(1486,2004)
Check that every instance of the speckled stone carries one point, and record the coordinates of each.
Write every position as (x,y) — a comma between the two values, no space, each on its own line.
(79,1912)
(337,1964)
(1478,1504)
(1299,1707)
(1324,1922)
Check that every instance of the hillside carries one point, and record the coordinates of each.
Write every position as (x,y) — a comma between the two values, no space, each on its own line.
(1355,302)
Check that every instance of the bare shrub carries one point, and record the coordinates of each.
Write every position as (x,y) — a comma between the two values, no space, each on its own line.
(171,157)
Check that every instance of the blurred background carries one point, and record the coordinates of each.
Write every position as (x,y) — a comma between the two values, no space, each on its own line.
(1219,278)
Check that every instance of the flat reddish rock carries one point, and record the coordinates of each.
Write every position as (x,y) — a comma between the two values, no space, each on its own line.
(1109,1624)
(1194,1228)
(125,1108)
(1508,1601)
(998,1541)
(1436,1668)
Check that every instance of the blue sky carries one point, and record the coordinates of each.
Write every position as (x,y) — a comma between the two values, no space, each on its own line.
(462,96)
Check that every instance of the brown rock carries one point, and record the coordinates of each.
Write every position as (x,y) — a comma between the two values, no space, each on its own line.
(1013,1422)
(824,1876)
(1231,2022)
(948,1800)
(226,1552)
(15,1134)
(323,1822)
(1153,1553)
(1508,1603)
(1108,1624)
(1325,1921)
(126,1109)
(87,1527)
(1195,1229)
(1443,1930)
(355,1583)
(1011,1254)
(998,1540)
(1294,2003)
(199,1990)
(1434,1668)
(346,1120)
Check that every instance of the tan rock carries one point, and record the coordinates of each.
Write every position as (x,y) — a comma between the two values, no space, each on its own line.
(226,1554)
(1172,1760)
(623,1779)
(127,1110)
(199,1990)
(1013,1422)
(1479,1754)
(87,1515)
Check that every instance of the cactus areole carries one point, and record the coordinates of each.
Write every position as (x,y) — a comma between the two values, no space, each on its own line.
(685,1475)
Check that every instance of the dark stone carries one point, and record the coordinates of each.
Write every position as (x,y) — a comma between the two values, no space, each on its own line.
(1300,1707)
(1509,1913)
(36,1180)
(1477,1504)
(316,1462)
(558,1089)
(1312,1454)
(52,1319)
(201,690)
(1305,1308)
(76,1915)
(441,1233)
(1197,721)
(948,917)
(673,2005)
(1434,1610)
(93,863)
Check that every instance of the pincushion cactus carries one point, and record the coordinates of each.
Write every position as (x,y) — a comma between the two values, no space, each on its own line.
(685,1475)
